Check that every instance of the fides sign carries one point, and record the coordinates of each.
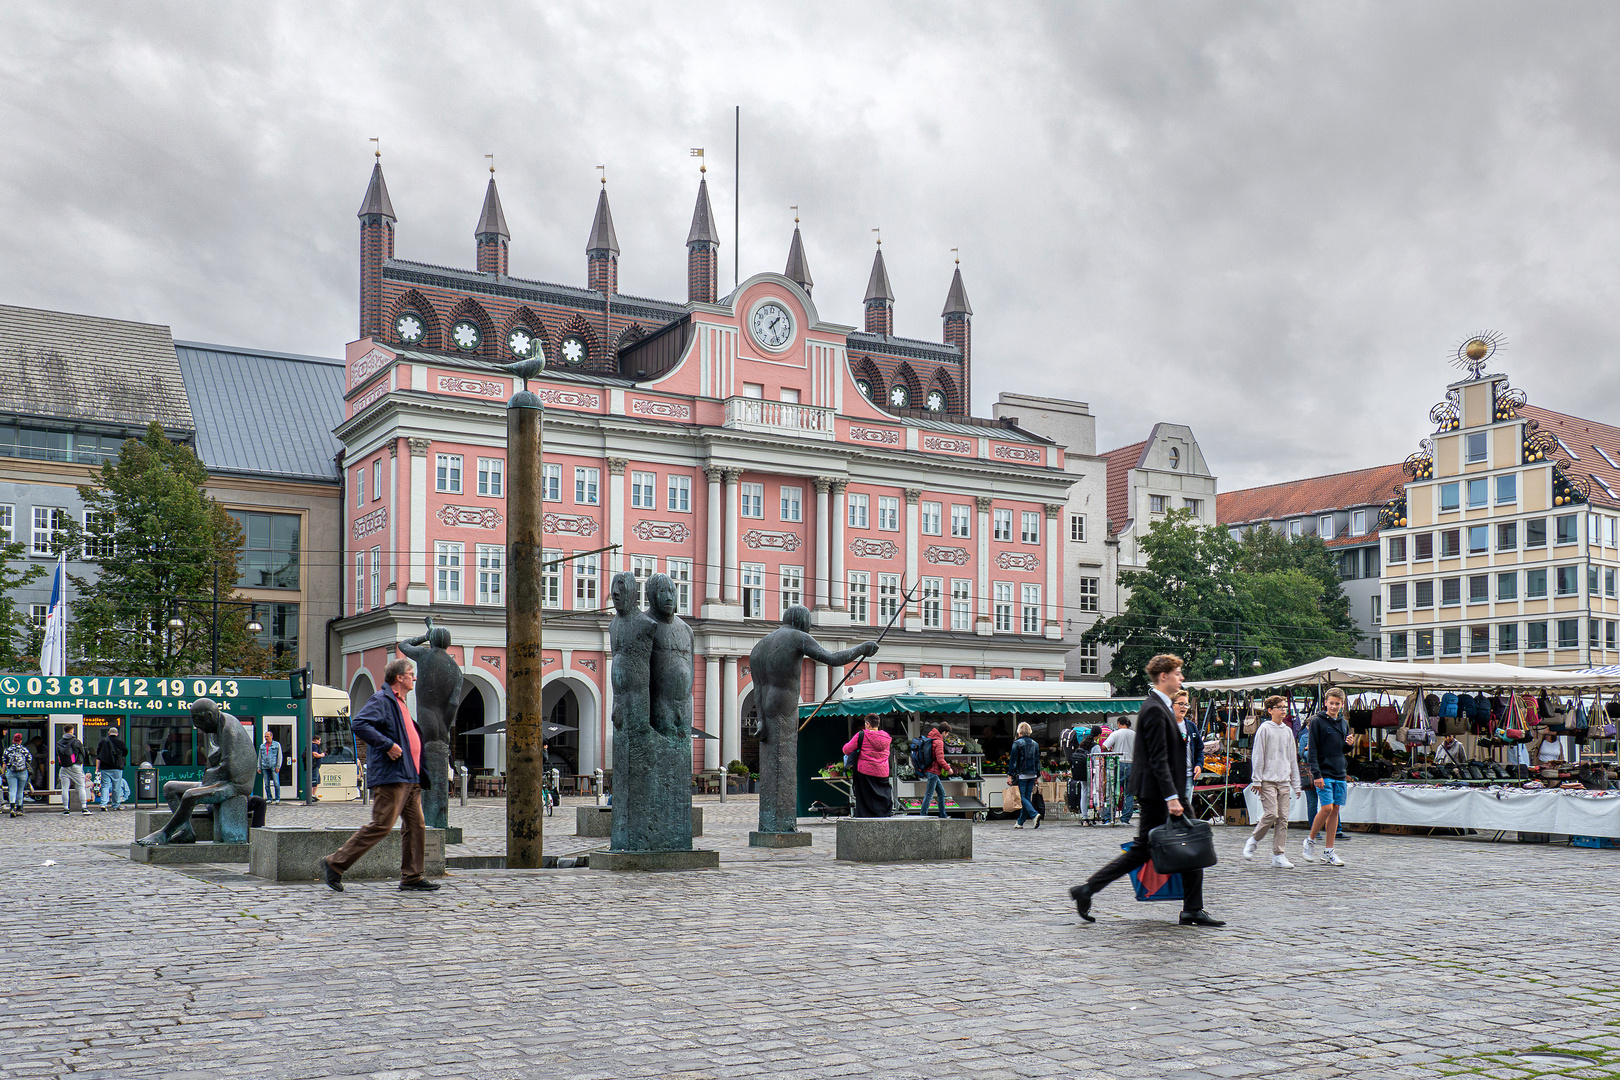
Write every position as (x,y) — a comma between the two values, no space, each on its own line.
(41,694)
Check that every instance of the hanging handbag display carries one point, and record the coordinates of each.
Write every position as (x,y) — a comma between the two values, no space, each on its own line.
(1385,716)
(1180,844)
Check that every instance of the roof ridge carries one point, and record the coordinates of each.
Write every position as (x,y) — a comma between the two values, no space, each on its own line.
(302,357)
(1304,479)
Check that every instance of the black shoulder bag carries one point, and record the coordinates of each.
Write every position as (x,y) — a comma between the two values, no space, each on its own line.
(1182,844)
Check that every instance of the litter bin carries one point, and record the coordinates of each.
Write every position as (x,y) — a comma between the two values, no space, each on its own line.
(146,783)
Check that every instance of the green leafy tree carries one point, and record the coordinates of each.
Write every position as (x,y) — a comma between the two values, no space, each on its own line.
(1266,551)
(19,639)
(1202,595)
(157,537)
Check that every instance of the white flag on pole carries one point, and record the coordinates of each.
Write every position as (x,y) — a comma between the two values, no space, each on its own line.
(53,653)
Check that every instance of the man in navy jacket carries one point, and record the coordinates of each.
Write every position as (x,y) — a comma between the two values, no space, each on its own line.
(394,774)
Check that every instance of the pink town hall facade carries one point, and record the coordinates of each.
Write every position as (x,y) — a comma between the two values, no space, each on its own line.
(732,443)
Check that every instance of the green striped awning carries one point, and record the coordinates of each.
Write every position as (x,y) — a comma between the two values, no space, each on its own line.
(958,705)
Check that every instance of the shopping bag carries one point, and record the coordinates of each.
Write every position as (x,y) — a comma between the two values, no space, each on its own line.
(1011,801)
(1152,885)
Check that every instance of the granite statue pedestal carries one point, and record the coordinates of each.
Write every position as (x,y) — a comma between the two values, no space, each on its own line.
(689,859)
(280,853)
(189,854)
(149,821)
(597,821)
(904,839)
(778,839)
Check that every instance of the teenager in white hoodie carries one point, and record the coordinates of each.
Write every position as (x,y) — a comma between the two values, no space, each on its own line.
(1275,776)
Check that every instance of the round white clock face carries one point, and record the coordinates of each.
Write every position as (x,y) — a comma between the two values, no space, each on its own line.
(772,326)
(466,336)
(900,397)
(936,401)
(409,327)
(573,349)
(521,342)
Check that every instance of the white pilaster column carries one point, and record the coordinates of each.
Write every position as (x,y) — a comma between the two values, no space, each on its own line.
(391,579)
(613,515)
(913,616)
(839,519)
(711,711)
(823,544)
(823,681)
(416,588)
(730,721)
(712,574)
(733,509)
(981,621)
(1054,548)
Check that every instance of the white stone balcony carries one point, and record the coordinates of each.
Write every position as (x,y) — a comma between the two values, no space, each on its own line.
(779,418)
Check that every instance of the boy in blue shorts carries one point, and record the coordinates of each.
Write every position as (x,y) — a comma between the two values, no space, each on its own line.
(1324,756)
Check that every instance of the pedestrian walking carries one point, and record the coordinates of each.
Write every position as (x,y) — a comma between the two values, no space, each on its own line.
(70,769)
(270,766)
(17,761)
(1102,794)
(394,771)
(1123,743)
(1274,762)
(1305,771)
(315,757)
(936,768)
(111,754)
(1024,769)
(871,775)
(1157,783)
(1330,734)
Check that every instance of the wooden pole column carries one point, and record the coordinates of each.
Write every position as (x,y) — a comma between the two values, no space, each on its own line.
(525,768)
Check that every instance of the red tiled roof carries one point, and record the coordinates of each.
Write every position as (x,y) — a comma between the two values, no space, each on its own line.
(1120,464)
(1311,496)
(1582,439)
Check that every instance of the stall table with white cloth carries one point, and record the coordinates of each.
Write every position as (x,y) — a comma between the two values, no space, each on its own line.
(1490,809)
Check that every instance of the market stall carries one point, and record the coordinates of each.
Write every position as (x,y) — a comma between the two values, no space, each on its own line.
(984,714)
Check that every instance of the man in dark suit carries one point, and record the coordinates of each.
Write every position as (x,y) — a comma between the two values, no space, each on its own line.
(1157,776)
(394,772)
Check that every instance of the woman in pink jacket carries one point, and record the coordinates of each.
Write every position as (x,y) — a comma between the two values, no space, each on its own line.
(871,776)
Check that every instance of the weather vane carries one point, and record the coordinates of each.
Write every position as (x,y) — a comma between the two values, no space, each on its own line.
(1476,351)
(880,236)
(603,170)
(379,147)
(697,152)
(956,253)
(491,163)
(795,210)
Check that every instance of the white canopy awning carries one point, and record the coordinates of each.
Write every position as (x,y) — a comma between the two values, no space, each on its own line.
(1354,672)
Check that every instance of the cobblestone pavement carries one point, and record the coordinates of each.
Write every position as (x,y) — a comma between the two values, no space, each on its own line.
(1422,957)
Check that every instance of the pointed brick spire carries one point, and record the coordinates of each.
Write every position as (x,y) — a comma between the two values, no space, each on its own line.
(956,301)
(798,267)
(376,248)
(603,238)
(376,202)
(702,217)
(602,249)
(702,249)
(958,316)
(879,297)
(877,286)
(490,233)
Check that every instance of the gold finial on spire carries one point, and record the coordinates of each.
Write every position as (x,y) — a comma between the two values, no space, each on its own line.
(957,254)
(697,152)
(603,170)
(491,163)
(880,236)
(379,148)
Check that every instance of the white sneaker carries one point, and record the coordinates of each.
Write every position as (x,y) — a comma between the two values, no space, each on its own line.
(1018,826)
(1248,847)
(1331,857)
(1280,862)
(1308,849)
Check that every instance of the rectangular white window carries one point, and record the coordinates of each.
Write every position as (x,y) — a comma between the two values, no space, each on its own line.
(8,522)
(642,567)
(1077,528)
(1474,447)
(961,604)
(376,577)
(792,586)
(448,474)
(376,481)
(360,486)
(643,490)
(931,519)
(587,486)
(48,521)
(1031,609)
(447,564)
(1358,523)
(859,583)
(933,603)
(1377,614)
(1194,507)
(37,614)
(551,484)
(680,494)
(753,590)
(1002,595)
(586,571)
(888,513)
(858,506)
(680,572)
(888,596)
(792,503)
(961,521)
(1031,533)
(1324,527)
(1157,503)
(492,477)
(1088,658)
(1090,593)
(1003,524)
(551,576)
(360,581)
(1296,528)
(753,500)
(491,571)
(97,547)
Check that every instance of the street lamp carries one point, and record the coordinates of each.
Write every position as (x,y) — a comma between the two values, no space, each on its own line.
(254,625)
(175,621)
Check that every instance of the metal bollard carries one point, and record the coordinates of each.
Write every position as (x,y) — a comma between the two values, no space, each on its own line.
(598,787)
(463,785)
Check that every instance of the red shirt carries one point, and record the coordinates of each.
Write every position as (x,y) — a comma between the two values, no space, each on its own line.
(411,734)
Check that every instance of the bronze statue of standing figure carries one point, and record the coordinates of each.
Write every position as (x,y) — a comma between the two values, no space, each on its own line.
(438,695)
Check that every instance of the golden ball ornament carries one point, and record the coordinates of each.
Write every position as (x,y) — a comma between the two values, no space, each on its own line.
(1476,349)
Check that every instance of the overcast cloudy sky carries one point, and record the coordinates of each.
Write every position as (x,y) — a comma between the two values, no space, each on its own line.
(1274,222)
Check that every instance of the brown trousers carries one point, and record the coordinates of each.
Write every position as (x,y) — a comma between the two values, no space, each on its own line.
(1275,798)
(389,803)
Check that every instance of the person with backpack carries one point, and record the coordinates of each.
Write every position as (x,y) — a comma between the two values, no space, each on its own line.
(928,759)
(870,779)
(1123,743)
(1023,770)
(70,769)
(18,761)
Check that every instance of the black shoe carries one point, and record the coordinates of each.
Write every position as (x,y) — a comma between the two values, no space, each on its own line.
(1343,836)
(1200,918)
(422,885)
(1082,902)
(334,880)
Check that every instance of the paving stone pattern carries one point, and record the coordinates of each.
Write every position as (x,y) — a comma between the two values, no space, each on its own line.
(1422,958)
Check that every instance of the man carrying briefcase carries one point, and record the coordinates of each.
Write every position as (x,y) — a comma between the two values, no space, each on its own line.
(1156,781)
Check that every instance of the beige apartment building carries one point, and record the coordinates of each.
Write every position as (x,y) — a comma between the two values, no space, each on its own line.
(1503,546)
